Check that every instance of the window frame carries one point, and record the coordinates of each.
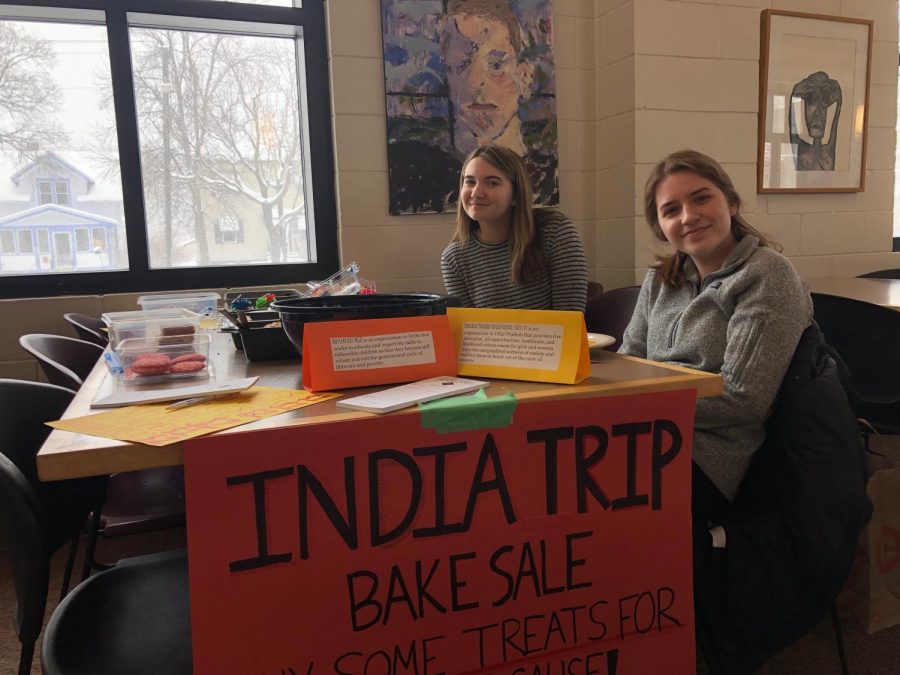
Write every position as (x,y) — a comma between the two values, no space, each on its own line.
(311,19)
(54,185)
(235,230)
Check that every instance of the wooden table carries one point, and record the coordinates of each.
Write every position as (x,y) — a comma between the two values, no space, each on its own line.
(884,292)
(70,455)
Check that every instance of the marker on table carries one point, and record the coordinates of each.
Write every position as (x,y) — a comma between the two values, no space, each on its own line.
(188,402)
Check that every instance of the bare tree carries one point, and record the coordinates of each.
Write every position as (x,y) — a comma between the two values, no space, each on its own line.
(220,128)
(254,138)
(29,95)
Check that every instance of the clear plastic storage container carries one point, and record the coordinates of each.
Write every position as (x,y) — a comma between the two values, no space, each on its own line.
(204,304)
(151,324)
(152,360)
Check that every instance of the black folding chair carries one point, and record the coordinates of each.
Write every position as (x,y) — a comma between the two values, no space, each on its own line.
(610,312)
(882,274)
(137,501)
(866,336)
(88,328)
(36,518)
(65,361)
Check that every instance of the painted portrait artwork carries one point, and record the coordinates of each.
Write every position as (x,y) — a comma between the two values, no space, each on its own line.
(459,74)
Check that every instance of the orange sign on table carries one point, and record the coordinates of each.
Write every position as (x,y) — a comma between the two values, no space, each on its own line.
(341,354)
(559,545)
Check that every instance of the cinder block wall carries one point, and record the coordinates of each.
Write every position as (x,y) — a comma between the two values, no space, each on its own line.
(696,85)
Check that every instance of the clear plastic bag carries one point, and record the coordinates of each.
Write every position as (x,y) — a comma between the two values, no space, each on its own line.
(344,282)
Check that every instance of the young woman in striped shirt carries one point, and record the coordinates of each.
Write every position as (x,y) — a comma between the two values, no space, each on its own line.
(505,253)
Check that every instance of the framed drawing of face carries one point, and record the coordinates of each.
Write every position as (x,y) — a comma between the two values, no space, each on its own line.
(813,102)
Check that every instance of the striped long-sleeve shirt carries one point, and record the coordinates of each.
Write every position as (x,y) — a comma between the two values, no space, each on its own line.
(480,274)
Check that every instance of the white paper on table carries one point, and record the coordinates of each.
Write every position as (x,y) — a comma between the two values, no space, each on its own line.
(406,395)
(123,398)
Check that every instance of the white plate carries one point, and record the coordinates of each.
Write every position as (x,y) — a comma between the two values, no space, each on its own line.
(599,340)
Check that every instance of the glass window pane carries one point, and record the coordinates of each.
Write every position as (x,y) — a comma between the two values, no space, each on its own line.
(45,192)
(82,240)
(43,241)
(62,192)
(219,125)
(26,242)
(58,144)
(7,242)
(98,239)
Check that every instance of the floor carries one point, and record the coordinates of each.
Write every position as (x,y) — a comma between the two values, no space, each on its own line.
(814,654)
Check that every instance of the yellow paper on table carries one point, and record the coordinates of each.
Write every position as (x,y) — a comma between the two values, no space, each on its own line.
(521,344)
(153,424)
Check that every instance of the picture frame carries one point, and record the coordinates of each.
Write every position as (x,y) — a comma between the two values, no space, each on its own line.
(814,73)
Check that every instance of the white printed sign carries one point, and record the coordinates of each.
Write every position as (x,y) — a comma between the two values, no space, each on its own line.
(514,345)
(382,351)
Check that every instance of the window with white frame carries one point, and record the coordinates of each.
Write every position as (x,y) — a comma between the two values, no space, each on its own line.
(53,192)
(159,113)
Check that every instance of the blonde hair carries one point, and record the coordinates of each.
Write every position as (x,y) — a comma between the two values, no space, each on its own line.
(670,268)
(524,240)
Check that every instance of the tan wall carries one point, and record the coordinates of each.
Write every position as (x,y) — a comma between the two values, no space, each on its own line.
(636,79)
(696,85)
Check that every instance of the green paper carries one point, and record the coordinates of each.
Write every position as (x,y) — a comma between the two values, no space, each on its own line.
(468,413)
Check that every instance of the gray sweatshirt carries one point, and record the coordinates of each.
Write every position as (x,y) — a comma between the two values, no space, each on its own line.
(743,322)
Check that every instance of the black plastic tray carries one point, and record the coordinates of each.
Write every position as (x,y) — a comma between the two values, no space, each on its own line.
(263,344)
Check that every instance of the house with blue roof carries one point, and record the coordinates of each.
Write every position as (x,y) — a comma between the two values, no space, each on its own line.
(54,217)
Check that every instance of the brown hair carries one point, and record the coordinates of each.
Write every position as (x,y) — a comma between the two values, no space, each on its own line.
(524,240)
(498,10)
(670,268)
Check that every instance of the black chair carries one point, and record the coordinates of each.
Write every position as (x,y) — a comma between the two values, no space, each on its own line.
(610,311)
(882,274)
(138,501)
(36,518)
(88,328)
(867,339)
(65,361)
(134,618)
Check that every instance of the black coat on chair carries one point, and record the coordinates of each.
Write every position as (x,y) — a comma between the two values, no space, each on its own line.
(791,532)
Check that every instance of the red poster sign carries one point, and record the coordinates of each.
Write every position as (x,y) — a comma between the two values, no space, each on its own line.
(559,545)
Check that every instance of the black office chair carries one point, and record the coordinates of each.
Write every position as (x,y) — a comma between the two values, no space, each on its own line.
(65,361)
(36,518)
(610,311)
(138,501)
(882,274)
(867,338)
(88,328)
(134,618)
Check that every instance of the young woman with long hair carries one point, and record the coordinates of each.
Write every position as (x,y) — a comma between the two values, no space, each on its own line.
(725,301)
(505,253)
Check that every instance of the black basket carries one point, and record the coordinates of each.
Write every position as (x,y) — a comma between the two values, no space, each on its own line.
(296,312)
